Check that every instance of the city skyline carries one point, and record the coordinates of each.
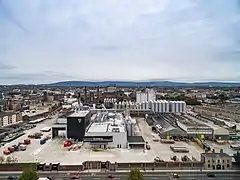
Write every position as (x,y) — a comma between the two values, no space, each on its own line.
(45,41)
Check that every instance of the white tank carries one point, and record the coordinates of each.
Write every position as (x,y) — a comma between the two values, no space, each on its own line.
(146,106)
(155,106)
(177,106)
(167,106)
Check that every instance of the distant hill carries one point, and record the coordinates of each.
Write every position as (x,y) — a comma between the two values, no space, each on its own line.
(141,84)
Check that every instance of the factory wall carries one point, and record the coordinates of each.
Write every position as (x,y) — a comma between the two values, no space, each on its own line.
(119,139)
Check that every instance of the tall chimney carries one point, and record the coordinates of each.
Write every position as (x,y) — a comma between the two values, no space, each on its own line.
(79,98)
(85,94)
(97,94)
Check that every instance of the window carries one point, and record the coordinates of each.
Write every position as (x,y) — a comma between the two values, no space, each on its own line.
(228,166)
(218,161)
(227,161)
(209,161)
(223,160)
(209,165)
(213,161)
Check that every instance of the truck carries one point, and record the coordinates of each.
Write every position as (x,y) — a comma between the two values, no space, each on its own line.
(11,149)
(27,141)
(6,152)
(22,147)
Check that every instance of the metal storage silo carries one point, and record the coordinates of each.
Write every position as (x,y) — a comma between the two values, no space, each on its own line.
(177,106)
(158,106)
(184,107)
(155,106)
(151,105)
(163,107)
(167,106)
(115,106)
(173,107)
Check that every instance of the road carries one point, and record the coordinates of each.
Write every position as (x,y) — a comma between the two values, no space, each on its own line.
(147,175)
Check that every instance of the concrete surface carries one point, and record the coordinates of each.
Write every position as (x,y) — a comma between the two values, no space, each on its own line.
(53,151)
(163,150)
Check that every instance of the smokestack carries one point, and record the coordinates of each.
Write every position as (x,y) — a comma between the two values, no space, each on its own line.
(79,98)
(97,94)
(85,94)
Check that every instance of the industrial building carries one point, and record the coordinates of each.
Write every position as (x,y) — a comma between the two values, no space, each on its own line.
(74,124)
(159,106)
(77,123)
(148,95)
(108,132)
(193,128)
(166,128)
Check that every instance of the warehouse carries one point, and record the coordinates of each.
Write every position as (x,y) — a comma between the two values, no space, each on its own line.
(194,129)
(110,132)
(167,130)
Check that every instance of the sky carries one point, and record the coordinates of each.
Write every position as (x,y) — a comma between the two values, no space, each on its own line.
(43,41)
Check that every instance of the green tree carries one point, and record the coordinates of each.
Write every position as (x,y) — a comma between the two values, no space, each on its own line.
(135,174)
(237,158)
(28,175)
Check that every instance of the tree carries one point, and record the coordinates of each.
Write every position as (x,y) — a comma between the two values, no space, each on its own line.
(237,158)
(28,175)
(8,159)
(135,174)
(2,159)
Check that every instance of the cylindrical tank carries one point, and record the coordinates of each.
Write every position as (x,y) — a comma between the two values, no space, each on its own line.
(167,106)
(177,106)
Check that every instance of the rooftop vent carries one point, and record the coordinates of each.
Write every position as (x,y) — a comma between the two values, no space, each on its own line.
(115,130)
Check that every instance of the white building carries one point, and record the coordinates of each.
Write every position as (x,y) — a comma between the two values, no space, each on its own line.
(110,132)
(145,96)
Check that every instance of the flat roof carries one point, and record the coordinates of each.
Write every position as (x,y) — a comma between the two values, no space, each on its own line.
(79,114)
(98,127)
(106,127)
(215,155)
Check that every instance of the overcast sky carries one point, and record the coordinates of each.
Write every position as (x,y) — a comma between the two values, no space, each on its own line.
(56,40)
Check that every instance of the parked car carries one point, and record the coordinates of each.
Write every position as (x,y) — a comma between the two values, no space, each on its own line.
(75,176)
(12,178)
(110,176)
(175,175)
(210,175)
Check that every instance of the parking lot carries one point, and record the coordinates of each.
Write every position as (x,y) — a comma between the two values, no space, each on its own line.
(34,148)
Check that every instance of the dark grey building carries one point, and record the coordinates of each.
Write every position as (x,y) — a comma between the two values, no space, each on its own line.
(77,123)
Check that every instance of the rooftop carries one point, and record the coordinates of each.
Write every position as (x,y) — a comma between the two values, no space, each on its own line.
(79,114)
(215,155)
(105,127)
(32,113)
(190,122)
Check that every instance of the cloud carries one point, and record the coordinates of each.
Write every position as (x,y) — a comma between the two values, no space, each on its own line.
(120,40)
